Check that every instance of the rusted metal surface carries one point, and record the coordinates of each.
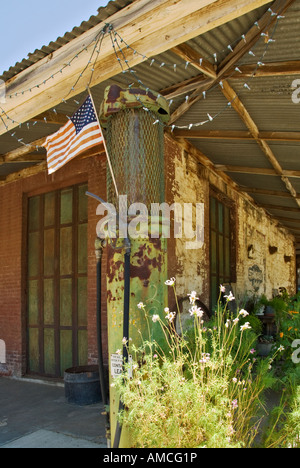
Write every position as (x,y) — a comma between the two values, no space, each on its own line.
(148,274)
(117,99)
(135,144)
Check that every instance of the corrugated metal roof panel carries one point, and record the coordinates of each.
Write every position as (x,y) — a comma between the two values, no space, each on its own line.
(286,35)
(229,34)
(271,200)
(233,153)
(287,154)
(269,102)
(259,181)
(215,104)
(9,168)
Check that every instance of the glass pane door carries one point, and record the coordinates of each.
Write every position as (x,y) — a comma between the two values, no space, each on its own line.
(57,281)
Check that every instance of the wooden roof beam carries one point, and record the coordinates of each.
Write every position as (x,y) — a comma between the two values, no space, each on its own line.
(235,135)
(28,158)
(255,170)
(246,71)
(272,193)
(246,170)
(269,69)
(280,208)
(188,54)
(23,150)
(286,219)
(51,117)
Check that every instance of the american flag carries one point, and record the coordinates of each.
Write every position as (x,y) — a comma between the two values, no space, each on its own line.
(81,133)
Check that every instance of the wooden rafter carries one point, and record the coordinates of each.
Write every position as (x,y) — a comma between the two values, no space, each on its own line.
(188,54)
(279,208)
(19,153)
(255,170)
(272,193)
(246,71)
(41,166)
(244,46)
(286,219)
(29,158)
(236,135)
(289,68)
(51,117)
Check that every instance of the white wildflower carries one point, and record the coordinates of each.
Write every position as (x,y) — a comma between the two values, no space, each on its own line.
(205,358)
(171,316)
(141,305)
(193,297)
(243,313)
(170,282)
(230,297)
(246,327)
(155,318)
(196,312)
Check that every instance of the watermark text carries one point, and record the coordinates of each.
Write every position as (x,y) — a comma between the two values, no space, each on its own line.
(137,222)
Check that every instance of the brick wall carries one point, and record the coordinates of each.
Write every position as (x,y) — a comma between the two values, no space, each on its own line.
(13,203)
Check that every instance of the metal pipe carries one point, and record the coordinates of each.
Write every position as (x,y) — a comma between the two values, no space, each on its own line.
(126,318)
(99,246)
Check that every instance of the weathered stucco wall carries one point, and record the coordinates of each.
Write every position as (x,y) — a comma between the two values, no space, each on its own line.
(265,253)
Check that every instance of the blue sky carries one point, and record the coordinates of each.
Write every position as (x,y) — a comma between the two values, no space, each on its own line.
(29,24)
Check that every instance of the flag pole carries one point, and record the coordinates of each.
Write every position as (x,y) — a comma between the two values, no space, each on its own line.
(104,143)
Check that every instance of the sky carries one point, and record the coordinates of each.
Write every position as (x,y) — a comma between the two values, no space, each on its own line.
(29,24)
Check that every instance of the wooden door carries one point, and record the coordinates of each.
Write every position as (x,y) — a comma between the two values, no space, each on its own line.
(57,281)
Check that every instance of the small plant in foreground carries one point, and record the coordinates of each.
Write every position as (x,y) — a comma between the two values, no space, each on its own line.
(199,389)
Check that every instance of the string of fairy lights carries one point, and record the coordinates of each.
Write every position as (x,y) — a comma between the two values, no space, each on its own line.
(210,118)
(119,46)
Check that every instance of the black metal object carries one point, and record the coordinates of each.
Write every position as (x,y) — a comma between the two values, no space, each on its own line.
(99,246)
(82,385)
(126,317)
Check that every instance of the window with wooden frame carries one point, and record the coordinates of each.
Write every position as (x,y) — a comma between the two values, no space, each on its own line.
(222,243)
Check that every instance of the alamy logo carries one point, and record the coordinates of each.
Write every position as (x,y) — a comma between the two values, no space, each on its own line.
(296,92)
(296,354)
(2,92)
(136,222)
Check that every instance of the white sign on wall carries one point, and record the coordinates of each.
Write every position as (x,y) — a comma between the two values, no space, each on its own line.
(2,352)
(116,365)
